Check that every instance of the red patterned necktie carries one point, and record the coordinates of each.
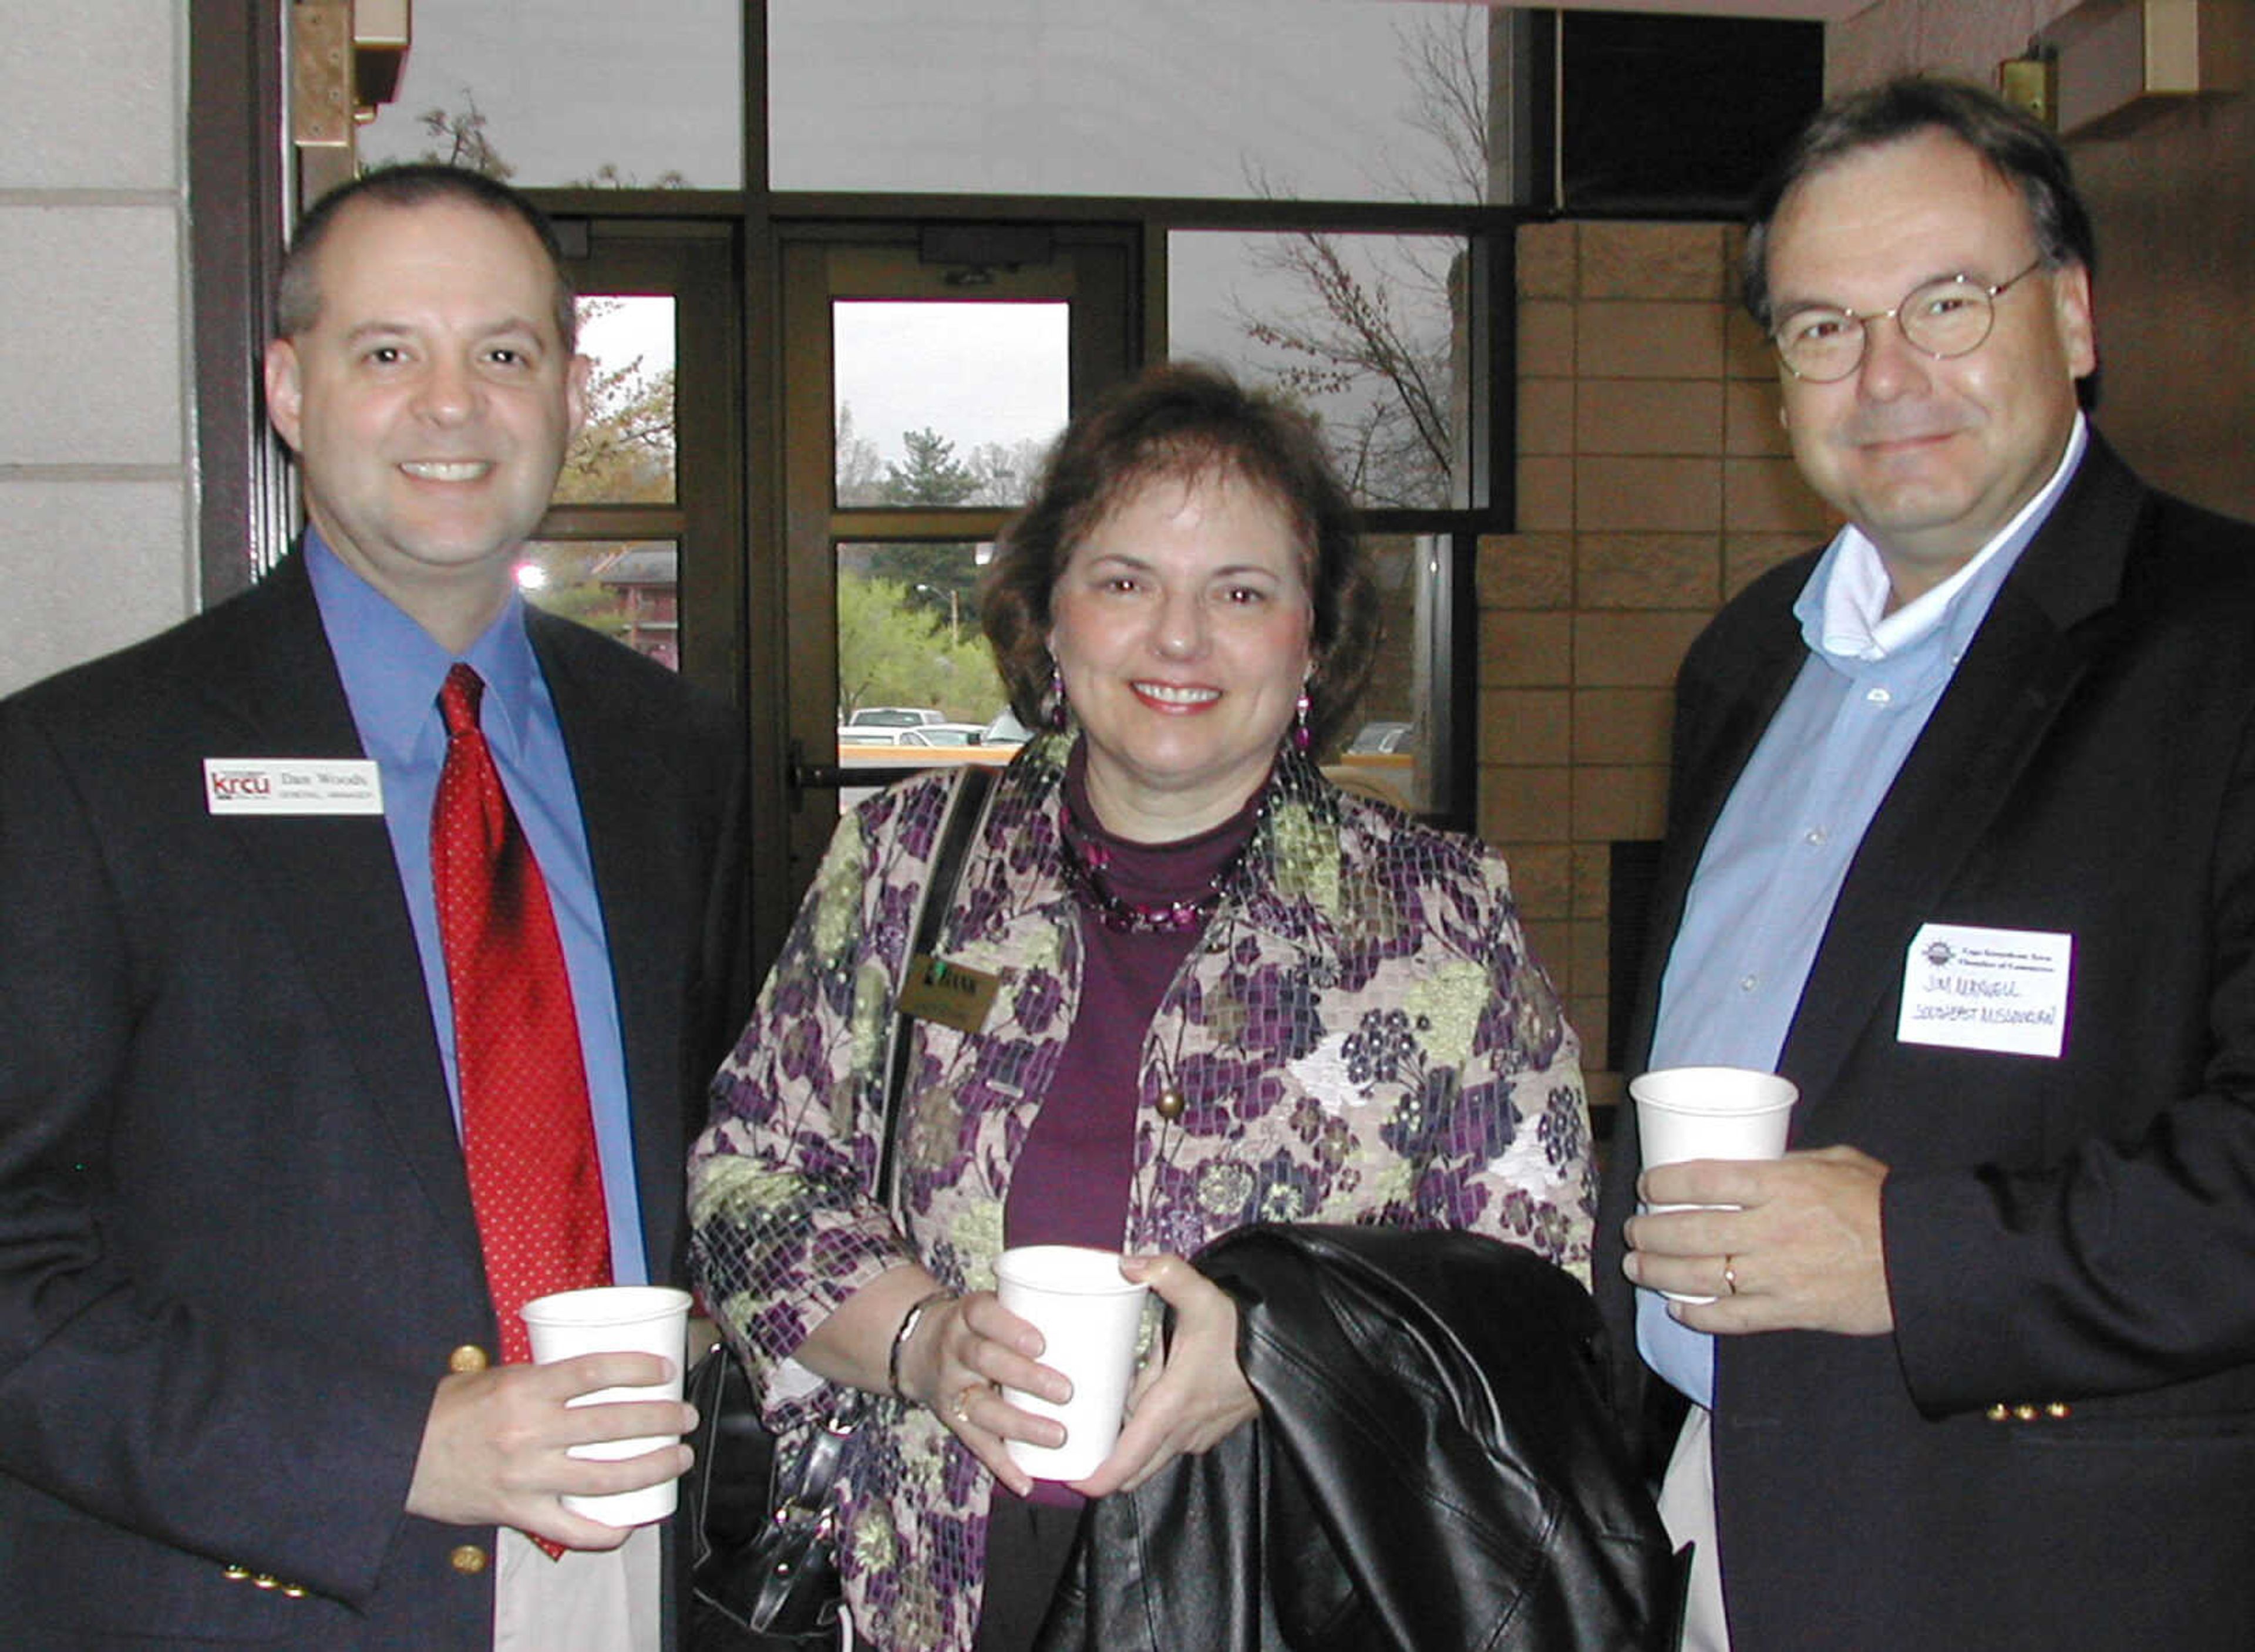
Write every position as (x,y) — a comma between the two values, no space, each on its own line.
(528,1135)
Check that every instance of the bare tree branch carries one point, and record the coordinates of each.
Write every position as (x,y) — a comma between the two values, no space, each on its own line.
(1371,344)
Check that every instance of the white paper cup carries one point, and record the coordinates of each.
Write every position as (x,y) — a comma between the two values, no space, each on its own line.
(1088,1314)
(616,1319)
(1710,1113)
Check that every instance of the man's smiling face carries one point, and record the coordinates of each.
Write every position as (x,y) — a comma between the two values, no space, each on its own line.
(431,401)
(1930,457)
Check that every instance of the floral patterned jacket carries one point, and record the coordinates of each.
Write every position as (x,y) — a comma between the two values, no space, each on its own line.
(1359,1036)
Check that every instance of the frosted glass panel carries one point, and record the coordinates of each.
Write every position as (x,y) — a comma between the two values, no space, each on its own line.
(1321,100)
(556,92)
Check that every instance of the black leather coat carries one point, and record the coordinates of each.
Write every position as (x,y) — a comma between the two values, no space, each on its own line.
(1434,1467)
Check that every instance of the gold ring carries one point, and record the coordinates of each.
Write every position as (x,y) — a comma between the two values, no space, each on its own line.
(961,1410)
(1731,1274)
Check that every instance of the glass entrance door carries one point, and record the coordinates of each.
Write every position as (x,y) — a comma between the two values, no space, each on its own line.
(925,374)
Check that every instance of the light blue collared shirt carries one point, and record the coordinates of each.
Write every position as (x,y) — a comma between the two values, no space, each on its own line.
(392,669)
(1762,897)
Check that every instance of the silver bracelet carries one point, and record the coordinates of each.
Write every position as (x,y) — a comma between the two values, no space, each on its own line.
(909,1321)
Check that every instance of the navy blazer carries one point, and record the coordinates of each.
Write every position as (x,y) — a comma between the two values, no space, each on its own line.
(2056,1448)
(236,1245)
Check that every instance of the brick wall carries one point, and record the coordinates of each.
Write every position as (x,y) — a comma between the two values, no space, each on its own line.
(1654,482)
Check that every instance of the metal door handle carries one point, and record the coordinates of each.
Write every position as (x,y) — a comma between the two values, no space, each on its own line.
(830,776)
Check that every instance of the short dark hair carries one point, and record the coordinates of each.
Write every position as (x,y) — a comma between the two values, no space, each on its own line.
(2019,149)
(297,290)
(1186,421)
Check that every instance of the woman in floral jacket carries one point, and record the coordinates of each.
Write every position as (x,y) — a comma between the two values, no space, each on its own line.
(1227,993)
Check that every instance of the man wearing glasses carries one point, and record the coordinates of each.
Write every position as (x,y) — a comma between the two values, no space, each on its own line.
(1962,842)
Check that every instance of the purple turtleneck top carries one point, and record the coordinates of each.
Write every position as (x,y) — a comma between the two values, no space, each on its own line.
(1073,1174)
(1072,1181)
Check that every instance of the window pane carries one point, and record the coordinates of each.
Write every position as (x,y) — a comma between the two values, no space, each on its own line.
(1368,333)
(626,589)
(625,453)
(1385,751)
(908,636)
(946,403)
(1352,100)
(916,685)
(557,93)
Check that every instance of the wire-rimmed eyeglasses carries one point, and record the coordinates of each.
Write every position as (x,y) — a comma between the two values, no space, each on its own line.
(1942,319)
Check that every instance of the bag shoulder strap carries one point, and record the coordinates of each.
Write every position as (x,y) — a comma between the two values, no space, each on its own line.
(966,808)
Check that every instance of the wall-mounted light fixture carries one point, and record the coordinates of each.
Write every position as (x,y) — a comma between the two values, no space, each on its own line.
(381,30)
(2031,83)
(321,74)
(347,58)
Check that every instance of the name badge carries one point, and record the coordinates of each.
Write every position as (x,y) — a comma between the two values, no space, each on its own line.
(948,994)
(2002,990)
(293,785)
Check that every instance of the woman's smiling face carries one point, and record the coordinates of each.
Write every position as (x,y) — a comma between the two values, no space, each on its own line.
(1181,625)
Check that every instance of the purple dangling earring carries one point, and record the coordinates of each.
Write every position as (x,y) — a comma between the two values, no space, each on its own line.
(1301,738)
(1056,717)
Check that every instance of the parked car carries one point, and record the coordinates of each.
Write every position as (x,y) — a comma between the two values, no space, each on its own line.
(944,734)
(1372,739)
(895,717)
(934,746)
(1005,730)
(1380,762)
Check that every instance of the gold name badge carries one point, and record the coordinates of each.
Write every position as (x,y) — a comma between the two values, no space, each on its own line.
(949,994)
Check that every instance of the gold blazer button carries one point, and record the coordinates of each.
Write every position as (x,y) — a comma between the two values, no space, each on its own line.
(467,1358)
(469,1560)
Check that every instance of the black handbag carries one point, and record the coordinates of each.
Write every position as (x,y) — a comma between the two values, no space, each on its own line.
(764,1564)
(761,1533)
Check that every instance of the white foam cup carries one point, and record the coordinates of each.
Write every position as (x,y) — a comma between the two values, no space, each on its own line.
(1710,1113)
(1088,1313)
(616,1319)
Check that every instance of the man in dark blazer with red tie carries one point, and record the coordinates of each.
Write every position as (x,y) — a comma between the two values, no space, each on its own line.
(1962,842)
(250,1384)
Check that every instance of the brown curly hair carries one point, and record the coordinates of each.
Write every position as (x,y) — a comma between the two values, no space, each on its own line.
(1185,421)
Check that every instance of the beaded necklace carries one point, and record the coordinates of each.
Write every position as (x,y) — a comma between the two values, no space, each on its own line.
(1084,874)
(1086,860)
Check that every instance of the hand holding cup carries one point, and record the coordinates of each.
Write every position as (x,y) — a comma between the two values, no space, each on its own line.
(1089,1314)
(1710,1113)
(614,1319)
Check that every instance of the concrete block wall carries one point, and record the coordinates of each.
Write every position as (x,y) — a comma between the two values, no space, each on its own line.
(1653,482)
(97,493)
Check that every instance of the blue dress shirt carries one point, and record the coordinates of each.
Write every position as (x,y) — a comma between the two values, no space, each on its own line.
(392,669)
(1763,894)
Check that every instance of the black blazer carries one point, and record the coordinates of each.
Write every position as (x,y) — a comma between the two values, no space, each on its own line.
(236,1245)
(2056,1447)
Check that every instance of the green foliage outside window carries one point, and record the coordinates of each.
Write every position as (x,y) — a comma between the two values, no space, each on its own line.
(895,651)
